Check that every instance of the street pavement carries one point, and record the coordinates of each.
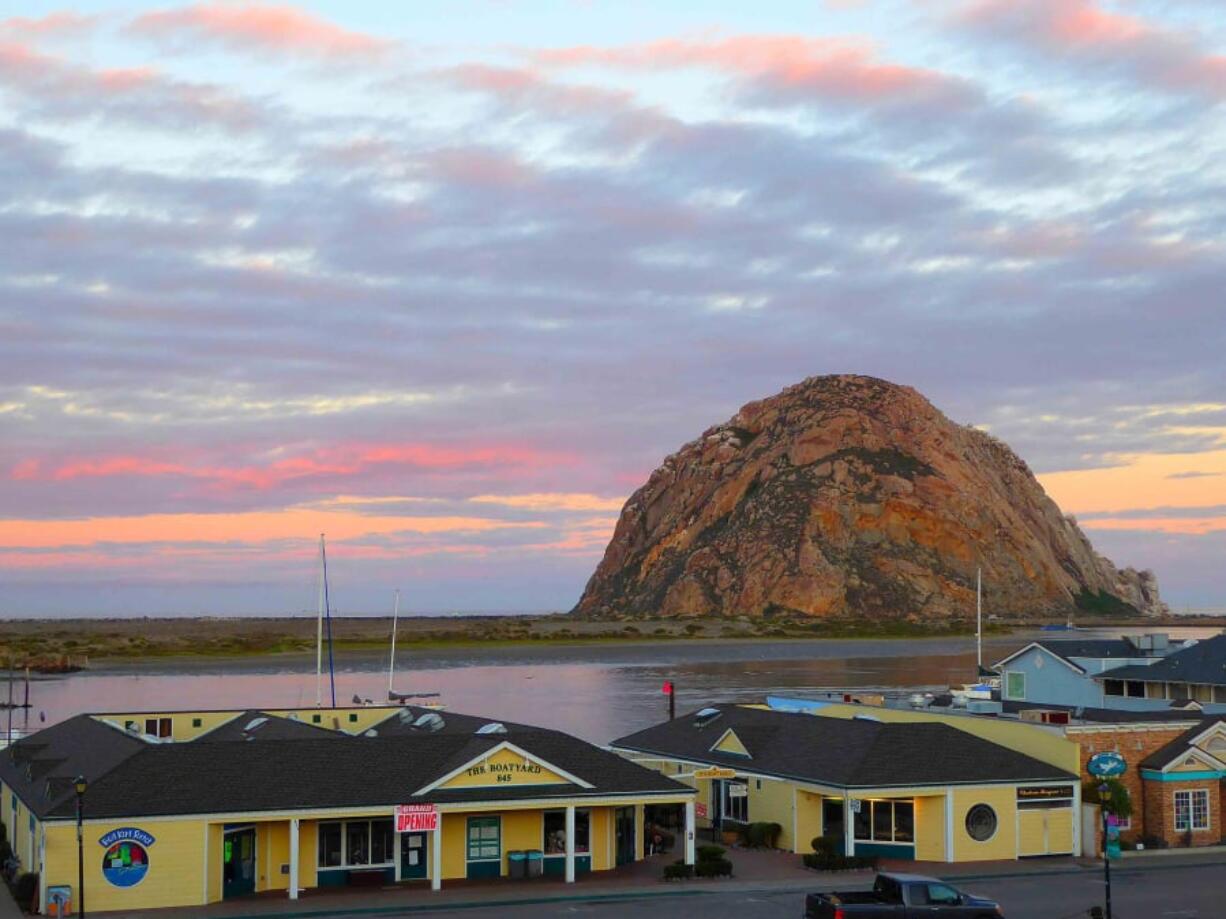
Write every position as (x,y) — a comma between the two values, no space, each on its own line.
(1151,891)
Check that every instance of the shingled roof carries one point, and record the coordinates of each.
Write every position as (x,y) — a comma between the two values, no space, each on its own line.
(131,777)
(1164,756)
(1203,662)
(848,753)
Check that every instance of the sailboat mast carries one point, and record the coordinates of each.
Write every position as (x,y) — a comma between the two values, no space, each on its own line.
(319,632)
(979,619)
(391,664)
(323,554)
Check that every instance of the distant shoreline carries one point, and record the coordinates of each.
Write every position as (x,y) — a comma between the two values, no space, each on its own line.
(101,642)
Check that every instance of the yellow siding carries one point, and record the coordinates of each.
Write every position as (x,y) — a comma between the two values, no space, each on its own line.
(730,743)
(1031,833)
(454,853)
(930,829)
(808,820)
(773,804)
(176,865)
(308,853)
(598,838)
(338,719)
(505,768)
(272,844)
(1041,743)
(1060,830)
(521,830)
(1003,845)
(213,857)
(181,723)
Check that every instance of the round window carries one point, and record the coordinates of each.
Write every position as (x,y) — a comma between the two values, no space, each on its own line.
(981,823)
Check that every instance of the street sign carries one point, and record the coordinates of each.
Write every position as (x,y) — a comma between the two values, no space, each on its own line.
(416,818)
(1106,765)
(700,810)
(714,772)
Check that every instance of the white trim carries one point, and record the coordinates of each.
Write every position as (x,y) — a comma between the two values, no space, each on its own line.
(1187,754)
(505,745)
(1218,727)
(949,824)
(1047,651)
(436,856)
(295,845)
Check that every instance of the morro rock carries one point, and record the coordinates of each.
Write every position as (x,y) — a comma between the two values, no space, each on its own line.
(851,497)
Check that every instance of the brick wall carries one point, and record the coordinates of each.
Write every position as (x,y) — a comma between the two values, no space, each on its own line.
(1134,743)
(1160,812)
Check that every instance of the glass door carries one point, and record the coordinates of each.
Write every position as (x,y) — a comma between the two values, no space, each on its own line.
(484,847)
(412,856)
(624,821)
(238,862)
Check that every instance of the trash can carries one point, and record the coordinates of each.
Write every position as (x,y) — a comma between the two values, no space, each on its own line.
(517,863)
(536,862)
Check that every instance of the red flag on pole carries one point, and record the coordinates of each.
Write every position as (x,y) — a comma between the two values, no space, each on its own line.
(667,688)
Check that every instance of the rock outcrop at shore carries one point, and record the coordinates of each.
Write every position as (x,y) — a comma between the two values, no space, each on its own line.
(851,497)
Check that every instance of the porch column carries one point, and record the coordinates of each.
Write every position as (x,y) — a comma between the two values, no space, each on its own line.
(570,844)
(436,856)
(849,826)
(689,831)
(293,858)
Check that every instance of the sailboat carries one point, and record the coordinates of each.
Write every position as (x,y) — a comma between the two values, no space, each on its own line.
(392,695)
(325,614)
(986,680)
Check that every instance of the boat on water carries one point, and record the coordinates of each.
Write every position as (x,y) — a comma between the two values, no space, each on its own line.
(1057,627)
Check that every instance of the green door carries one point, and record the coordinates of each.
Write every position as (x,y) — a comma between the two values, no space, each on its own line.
(238,862)
(412,856)
(484,853)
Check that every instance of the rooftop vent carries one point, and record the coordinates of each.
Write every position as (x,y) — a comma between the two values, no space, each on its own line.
(705,716)
(293,716)
(430,721)
(495,727)
(254,724)
(405,715)
(865,718)
(371,733)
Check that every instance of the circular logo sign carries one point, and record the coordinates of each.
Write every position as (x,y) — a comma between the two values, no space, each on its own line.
(126,861)
(1106,765)
(125,864)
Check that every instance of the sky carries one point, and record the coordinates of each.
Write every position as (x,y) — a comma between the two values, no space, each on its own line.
(447,281)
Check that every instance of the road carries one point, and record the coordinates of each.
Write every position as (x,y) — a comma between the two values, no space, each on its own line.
(1155,892)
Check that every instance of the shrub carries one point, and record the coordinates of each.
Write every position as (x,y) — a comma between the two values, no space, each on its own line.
(762,834)
(25,890)
(822,861)
(1117,800)
(678,870)
(710,853)
(714,868)
(825,845)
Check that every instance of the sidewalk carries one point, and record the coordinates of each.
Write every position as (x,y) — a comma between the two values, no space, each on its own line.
(756,871)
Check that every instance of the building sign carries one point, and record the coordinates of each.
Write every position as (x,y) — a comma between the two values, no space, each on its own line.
(700,810)
(126,860)
(738,790)
(416,818)
(1106,765)
(715,772)
(505,767)
(1045,793)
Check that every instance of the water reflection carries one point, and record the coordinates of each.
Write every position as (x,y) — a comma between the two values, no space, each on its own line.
(597,693)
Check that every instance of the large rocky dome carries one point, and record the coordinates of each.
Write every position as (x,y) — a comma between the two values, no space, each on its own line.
(850,497)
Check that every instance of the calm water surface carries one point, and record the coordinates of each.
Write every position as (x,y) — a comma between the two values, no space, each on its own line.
(598,692)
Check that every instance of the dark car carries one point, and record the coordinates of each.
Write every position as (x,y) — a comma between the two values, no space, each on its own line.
(901,896)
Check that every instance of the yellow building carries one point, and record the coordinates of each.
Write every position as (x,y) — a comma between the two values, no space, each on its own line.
(189,808)
(891,783)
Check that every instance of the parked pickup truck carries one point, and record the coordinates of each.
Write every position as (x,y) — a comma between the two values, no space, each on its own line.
(901,896)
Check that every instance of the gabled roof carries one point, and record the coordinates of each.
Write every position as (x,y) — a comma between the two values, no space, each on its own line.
(1165,756)
(130,777)
(1068,648)
(1203,662)
(261,726)
(848,753)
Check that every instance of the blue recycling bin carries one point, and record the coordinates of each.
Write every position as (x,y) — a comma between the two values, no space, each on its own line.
(517,863)
(536,863)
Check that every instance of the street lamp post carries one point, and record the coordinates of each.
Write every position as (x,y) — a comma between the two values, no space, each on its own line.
(1103,791)
(80,785)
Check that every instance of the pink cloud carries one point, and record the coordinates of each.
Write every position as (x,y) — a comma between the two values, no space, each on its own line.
(325,463)
(841,70)
(259,28)
(51,25)
(1082,31)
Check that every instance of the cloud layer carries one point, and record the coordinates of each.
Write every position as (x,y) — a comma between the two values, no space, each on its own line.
(266,272)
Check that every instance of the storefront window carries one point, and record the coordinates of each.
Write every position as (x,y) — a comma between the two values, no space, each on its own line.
(1192,810)
(885,821)
(357,843)
(555,832)
(736,801)
(382,842)
(981,823)
(484,838)
(330,845)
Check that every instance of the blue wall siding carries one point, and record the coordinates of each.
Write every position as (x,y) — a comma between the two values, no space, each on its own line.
(1051,682)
